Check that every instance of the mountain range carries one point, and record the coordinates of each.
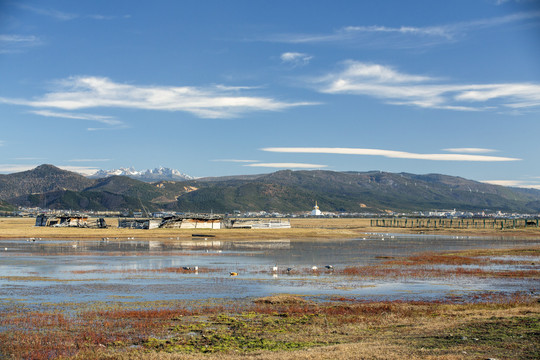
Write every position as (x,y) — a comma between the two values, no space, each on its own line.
(283,191)
(150,175)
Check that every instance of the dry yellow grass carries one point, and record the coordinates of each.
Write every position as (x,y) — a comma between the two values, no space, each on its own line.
(308,228)
(401,331)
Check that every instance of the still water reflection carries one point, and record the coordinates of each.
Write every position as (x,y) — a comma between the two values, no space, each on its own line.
(133,270)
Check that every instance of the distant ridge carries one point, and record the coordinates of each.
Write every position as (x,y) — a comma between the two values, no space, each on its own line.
(149,175)
(41,179)
(284,191)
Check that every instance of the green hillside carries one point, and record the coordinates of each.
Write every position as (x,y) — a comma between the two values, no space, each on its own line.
(282,191)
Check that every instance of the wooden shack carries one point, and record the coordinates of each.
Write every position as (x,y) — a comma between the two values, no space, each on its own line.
(139,223)
(62,220)
(69,220)
(259,224)
(199,221)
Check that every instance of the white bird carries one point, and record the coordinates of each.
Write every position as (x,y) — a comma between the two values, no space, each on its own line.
(314,268)
(274,268)
(74,246)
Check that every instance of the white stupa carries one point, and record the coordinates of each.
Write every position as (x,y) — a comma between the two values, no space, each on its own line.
(316,210)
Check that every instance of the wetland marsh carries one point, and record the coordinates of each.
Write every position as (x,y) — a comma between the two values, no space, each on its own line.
(378,295)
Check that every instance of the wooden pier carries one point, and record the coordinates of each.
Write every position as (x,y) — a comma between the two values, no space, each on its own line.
(469,223)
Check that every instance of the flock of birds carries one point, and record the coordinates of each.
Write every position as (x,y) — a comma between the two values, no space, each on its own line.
(289,269)
(196,268)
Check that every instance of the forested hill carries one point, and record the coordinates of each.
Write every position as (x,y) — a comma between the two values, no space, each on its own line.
(282,191)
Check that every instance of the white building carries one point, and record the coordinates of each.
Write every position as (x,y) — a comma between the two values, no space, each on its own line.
(316,211)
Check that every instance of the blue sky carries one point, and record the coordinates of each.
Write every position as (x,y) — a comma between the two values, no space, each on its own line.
(241,87)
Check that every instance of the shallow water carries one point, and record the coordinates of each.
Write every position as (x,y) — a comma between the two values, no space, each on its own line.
(57,271)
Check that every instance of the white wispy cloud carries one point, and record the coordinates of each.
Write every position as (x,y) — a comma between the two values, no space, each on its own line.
(500,2)
(236,160)
(296,58)
(82,92)
(83,170)
(288,165)
(108,120)
(66,16)
(470,150)
(107,17)
(88,160)
(389,154)
(13,168)
(514,183)
(404,36)
(53,13)
(15,43)
(395,87)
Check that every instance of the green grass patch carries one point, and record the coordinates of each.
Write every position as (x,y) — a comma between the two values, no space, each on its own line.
(511,338)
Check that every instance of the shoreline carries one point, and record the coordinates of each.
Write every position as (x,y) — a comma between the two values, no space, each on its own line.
(301,229)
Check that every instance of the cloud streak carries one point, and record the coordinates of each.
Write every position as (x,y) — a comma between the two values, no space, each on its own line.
(13,168)
(296,58)
(236,160)
(394,87)
(76,93)
(15,43)
(108,120)
(513,183)
(88,160)
(65,16)
(470,150)
(389,154)
(287,165)
(404,36)
(58,15)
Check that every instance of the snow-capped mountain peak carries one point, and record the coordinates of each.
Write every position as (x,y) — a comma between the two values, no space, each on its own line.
(149,175)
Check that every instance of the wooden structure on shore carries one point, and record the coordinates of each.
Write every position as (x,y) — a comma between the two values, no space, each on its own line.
(138,223)
(459,223)
(199,221)
(69,220)
(203,221)
(259,224)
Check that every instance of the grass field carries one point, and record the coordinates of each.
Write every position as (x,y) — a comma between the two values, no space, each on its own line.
(308,228)
(280,327)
